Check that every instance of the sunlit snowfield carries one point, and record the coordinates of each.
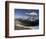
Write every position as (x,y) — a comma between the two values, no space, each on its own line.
(26,19)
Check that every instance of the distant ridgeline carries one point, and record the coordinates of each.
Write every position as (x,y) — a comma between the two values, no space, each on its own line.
(28,22)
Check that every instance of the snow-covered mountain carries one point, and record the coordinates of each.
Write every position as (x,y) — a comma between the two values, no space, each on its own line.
(30,16)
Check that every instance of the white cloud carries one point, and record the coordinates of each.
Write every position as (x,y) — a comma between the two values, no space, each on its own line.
(33,13)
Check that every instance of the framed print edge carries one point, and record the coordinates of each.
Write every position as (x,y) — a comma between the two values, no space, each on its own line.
(7,19)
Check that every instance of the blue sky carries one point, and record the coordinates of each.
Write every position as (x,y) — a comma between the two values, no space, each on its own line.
(21,12)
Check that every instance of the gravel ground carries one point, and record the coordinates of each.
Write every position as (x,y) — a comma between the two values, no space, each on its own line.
(22,27)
